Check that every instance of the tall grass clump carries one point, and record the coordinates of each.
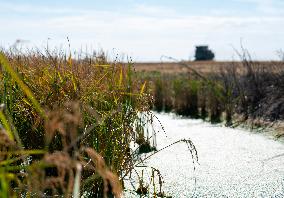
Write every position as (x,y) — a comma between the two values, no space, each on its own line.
(66,124)
(185,93)
(245,91)
(256,89)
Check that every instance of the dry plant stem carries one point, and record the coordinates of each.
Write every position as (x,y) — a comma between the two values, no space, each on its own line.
(191,147)
(107,104)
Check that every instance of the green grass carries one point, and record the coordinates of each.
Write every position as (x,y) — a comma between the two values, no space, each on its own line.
(67,124)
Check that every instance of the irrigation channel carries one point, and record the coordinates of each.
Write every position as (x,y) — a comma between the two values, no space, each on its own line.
(232,162)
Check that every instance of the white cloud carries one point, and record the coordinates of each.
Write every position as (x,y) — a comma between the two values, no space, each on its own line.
(272,7)
(32,8)
(148,32)
(143,9)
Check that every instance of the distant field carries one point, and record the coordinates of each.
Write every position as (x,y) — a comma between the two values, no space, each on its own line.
(210,89)
(204,67)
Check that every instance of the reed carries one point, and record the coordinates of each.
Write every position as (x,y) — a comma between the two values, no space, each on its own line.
(67,124)
(247,89)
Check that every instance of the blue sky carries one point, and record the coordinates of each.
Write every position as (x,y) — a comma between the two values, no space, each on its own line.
(146,30)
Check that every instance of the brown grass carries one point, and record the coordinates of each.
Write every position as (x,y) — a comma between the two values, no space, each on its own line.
(203,67)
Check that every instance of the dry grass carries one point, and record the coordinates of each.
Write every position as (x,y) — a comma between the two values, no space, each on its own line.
(67,124)
(203,67)
(218,90)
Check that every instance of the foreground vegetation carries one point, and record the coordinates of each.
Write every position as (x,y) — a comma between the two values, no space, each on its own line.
(67,124)
(237,92)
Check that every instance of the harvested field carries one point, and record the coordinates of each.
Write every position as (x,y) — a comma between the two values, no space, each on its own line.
(210,89)
(203,67)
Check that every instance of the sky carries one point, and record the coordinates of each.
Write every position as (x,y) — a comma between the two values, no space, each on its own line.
(149,29)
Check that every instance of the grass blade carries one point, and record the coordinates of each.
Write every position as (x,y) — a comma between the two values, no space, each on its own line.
(23,86)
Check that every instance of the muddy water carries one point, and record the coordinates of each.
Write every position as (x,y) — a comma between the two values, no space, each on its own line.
(232,162)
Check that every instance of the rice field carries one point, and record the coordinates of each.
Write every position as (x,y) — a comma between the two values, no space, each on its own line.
(67,124)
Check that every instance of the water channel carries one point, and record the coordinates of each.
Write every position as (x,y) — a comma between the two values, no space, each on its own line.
(232,162)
